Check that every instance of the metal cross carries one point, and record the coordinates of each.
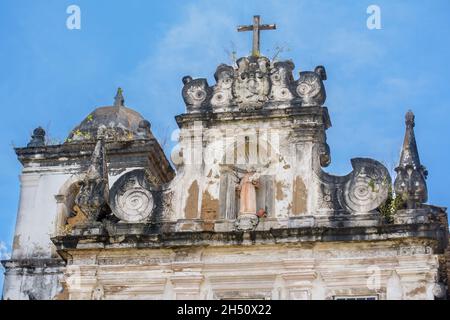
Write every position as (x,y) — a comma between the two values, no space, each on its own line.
(256,28)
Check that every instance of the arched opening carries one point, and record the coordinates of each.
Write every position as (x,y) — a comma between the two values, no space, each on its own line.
(66,202)
(247,154)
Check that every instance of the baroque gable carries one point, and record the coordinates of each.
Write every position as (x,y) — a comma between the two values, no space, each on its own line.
(245,208)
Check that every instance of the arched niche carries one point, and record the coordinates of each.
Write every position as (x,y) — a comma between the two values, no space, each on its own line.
(66,201)
(247,155)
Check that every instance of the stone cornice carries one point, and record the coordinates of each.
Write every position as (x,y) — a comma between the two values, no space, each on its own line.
(82,150)
(143,237)
(74,153)
(319,114)
(33,263)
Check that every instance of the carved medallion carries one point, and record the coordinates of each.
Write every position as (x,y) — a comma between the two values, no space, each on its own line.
(130,198)
(328,197)
(367,187)
(246,222)
(252,85)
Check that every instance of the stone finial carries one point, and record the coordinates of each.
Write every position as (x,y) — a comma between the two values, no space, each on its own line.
(92,199)
(98,169)
(38,138)
(409,119)
(410,181)
(144,130)
(119,100)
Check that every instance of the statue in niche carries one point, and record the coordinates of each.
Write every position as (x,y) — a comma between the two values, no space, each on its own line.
(248,217)
(247,190)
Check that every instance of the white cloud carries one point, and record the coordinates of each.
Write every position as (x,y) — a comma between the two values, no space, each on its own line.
(194,46)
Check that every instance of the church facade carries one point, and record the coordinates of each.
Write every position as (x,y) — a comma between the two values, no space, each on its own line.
(246,211)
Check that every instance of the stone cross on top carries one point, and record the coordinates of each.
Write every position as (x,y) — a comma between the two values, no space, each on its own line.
(256,28)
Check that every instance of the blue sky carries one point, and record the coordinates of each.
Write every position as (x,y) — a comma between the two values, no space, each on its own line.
(53,77)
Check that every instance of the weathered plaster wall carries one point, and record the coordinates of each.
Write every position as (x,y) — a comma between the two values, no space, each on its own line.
(36,215)
(387,270)
(44,206)
(279,155)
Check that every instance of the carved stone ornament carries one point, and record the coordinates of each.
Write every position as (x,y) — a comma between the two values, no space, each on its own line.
(310,87)
(92,199)
(367,186)
(252,85)
(196,94)
(246,222)
(222,91)
(281,77)
(439,290)
(324,155)
(130,197)
(327,199)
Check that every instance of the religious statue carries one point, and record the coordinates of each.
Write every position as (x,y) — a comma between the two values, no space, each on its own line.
(249,215)
(247,188)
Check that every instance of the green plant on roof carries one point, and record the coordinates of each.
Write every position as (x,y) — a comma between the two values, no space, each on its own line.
(372,185)
(393,203)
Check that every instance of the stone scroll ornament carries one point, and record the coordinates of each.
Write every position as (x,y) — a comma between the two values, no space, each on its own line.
(222,91)
(367,186)
(130,197)
(281,78)
(196,94)
(254,83)
(310,88)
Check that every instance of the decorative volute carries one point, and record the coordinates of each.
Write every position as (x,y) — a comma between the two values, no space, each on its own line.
(410,182)
(255,83)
